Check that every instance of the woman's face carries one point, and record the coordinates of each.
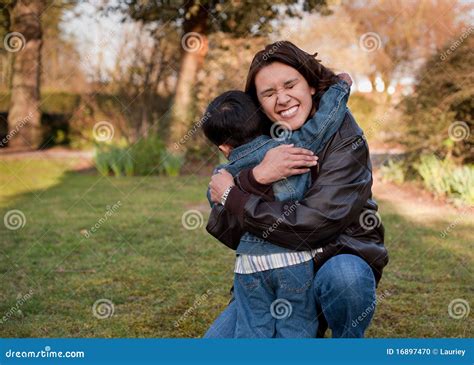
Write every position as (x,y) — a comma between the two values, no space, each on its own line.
(284,94)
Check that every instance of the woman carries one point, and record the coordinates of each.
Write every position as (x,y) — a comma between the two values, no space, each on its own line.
(337,217)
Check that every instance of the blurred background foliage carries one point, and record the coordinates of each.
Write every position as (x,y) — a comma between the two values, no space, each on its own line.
(413,81)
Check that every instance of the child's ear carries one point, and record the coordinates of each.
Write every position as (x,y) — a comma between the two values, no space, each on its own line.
(313,91)
(225,149)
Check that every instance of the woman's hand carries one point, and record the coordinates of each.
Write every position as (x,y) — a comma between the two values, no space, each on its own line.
(283,161)
(219,184)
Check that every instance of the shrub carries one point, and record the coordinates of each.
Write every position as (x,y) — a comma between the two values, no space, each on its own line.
(172,164)
(363,107)
(148,156)
(444,178)
(394,171)
(462,183)
(435,174)
(113,159)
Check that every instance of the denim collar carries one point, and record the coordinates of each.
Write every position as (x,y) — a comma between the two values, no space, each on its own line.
(249,147)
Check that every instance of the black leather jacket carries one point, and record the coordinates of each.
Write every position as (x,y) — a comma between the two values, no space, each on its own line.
(337,213)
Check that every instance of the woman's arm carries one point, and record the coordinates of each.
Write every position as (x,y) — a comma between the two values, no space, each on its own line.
(223,225)
(334,201)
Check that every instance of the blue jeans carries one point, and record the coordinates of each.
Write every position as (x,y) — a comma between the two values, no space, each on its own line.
(276,303)
(344,289)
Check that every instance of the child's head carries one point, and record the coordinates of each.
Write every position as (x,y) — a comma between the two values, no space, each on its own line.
(233,120)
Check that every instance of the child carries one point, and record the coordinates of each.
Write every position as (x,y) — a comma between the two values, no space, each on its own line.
(272,285)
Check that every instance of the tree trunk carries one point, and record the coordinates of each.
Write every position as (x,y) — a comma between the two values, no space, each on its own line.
(194,48)
(24,115)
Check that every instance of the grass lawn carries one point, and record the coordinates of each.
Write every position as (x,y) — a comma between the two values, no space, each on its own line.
(87,238)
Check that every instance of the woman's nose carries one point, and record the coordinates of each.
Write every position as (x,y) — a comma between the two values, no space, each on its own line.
(283,98)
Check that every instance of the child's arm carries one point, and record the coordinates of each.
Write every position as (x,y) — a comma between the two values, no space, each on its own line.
(317,131)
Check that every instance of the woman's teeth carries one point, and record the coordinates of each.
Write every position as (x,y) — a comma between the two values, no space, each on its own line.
(289,112)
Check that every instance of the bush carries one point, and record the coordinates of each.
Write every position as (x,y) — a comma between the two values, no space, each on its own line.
(110,159)
(435,174)
(146,157)
(363,107)
(444,178)
(438,116)
(394,171)
(52,102)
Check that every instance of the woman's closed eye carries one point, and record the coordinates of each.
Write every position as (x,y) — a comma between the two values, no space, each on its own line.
(268,94)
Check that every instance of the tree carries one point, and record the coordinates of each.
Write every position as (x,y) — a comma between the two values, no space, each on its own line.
(60,60)
(25,40)
(438,116)
(197,19)
(140,76)
(333,43)
(400,35)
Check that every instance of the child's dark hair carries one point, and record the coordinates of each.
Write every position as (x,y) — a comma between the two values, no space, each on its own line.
(233,118)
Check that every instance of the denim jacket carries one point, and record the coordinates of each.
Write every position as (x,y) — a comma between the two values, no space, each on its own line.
(313,135)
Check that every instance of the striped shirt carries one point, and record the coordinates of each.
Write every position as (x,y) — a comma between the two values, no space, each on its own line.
(249,264)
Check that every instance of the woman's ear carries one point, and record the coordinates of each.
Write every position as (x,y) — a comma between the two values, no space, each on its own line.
(313,90)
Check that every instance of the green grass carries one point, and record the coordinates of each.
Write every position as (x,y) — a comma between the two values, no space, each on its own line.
(156,272)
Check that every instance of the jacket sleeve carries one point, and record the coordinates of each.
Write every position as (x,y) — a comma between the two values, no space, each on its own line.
(246,181)
(226,227)
(333,202)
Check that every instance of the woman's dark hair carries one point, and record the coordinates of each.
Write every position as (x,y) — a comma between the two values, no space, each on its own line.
(317,76)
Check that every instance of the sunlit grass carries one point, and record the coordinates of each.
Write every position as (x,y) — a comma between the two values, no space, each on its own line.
(156,272)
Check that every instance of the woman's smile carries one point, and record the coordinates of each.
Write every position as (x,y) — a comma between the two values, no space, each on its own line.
(289,112)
